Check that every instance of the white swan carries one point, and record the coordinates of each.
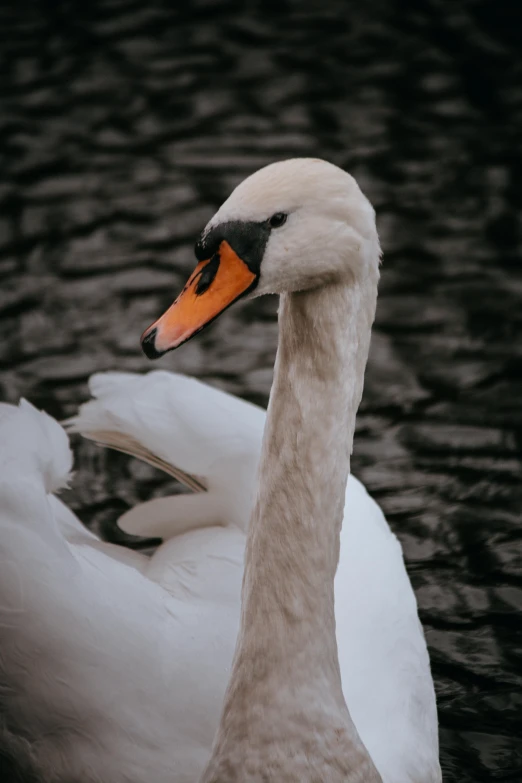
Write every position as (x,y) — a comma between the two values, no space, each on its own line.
(113,666)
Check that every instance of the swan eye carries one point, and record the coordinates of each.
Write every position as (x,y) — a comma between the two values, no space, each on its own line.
(277,220)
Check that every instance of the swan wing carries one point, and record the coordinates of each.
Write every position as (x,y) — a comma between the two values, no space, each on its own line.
(206,438)
(184,423)
(103,673)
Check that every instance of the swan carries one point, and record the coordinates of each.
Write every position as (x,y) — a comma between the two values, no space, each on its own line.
(114,666)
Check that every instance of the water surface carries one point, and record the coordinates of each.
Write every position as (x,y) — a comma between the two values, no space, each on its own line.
(124,124)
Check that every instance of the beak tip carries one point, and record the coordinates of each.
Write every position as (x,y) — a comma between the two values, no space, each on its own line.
(148,344)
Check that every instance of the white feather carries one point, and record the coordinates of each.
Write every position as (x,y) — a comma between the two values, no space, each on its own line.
(135,664)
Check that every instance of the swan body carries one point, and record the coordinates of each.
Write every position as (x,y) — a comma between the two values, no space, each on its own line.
(114,665)
(97,670)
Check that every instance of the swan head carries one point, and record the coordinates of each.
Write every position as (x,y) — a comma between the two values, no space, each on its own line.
(291,226)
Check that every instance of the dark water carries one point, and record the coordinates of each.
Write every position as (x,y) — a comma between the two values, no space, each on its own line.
(124,124)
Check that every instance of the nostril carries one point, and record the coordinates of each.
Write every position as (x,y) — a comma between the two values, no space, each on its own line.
(148,345)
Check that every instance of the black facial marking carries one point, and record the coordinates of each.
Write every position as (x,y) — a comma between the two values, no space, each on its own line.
(246,238)
(207,275)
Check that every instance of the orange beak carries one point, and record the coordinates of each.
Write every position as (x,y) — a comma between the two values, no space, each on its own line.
(214,285)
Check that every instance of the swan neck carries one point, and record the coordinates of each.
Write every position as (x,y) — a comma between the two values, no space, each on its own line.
(293,544)
(285,695)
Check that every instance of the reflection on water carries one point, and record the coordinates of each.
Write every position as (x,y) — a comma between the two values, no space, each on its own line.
(124,124)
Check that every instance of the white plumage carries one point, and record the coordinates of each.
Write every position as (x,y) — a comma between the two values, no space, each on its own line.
(117,670)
